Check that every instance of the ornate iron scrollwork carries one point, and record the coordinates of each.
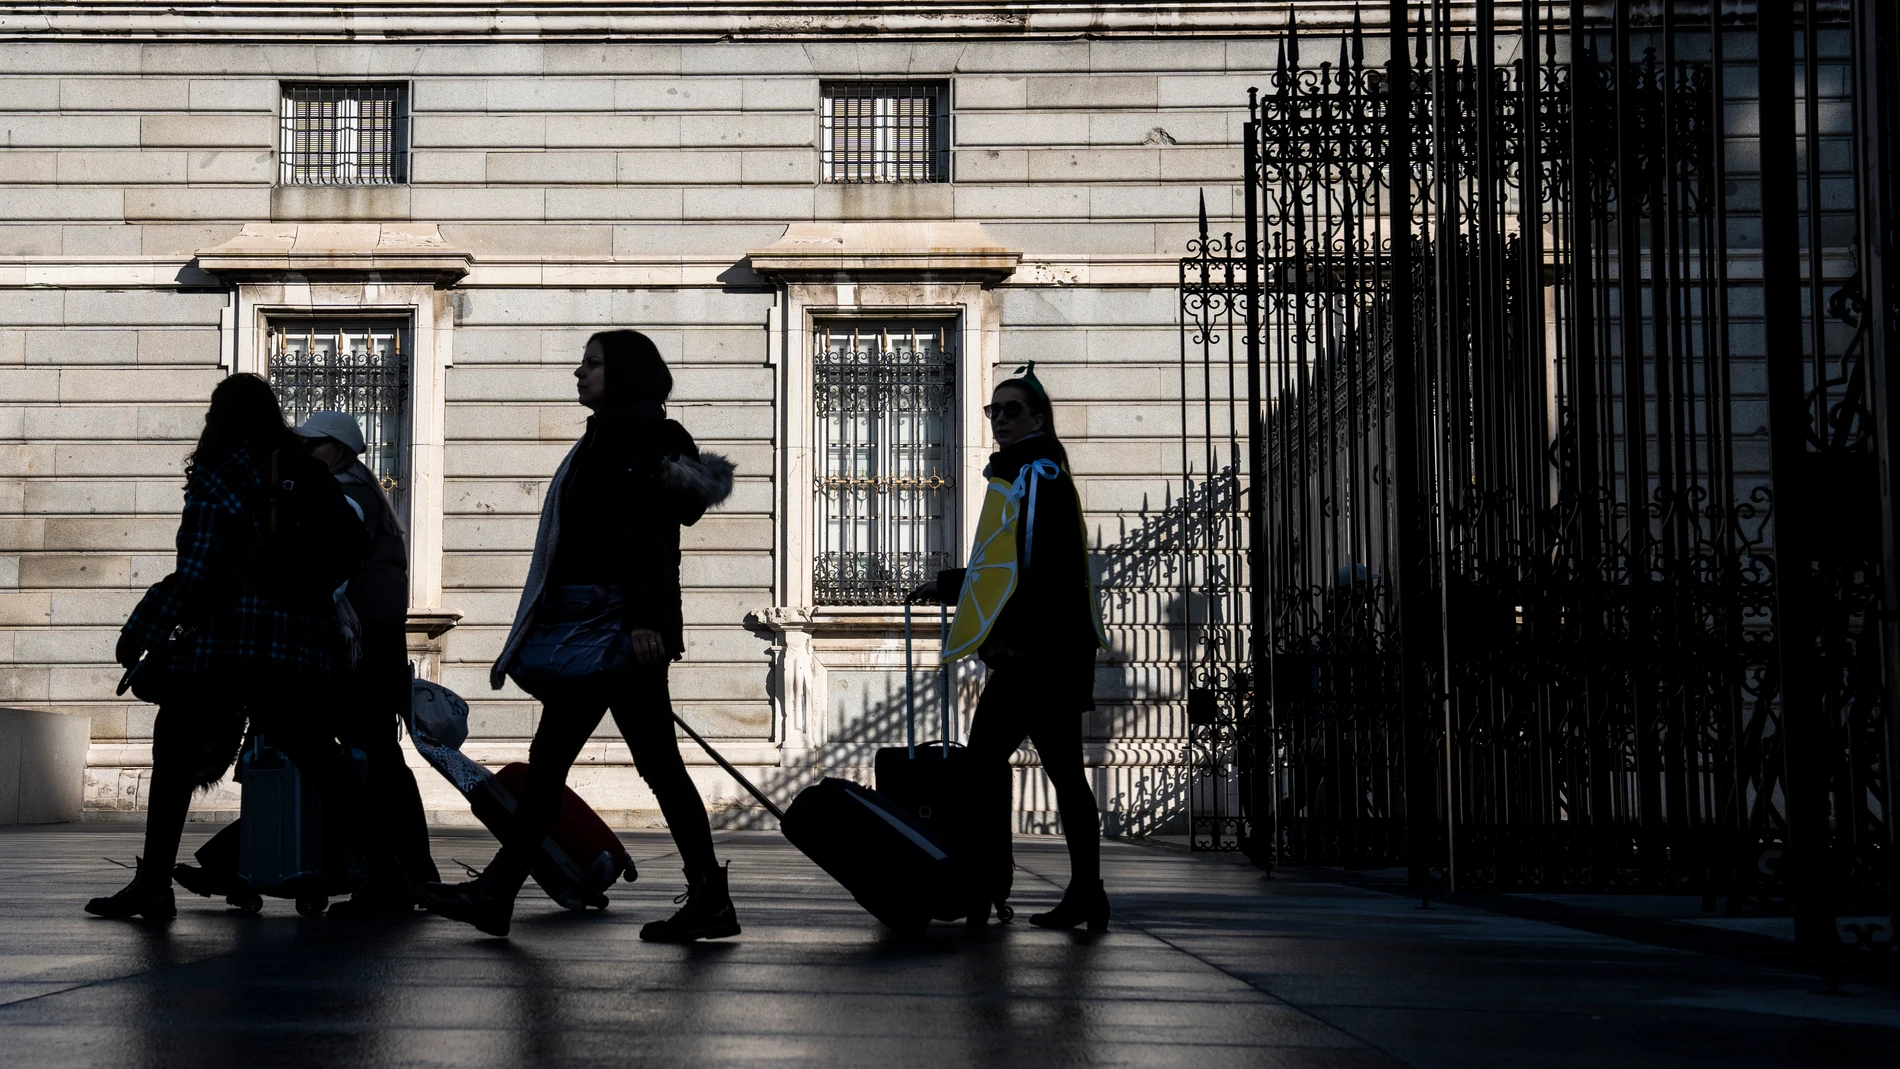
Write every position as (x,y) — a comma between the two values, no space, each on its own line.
(1584,655)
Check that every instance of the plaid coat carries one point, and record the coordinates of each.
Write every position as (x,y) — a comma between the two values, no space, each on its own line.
(233,622)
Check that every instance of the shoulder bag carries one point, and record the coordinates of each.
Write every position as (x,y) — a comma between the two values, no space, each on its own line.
(158,674)
(576,646)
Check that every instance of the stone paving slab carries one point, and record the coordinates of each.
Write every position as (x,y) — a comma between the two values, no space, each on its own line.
(1209,964)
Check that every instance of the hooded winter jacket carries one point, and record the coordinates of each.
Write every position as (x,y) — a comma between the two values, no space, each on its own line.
(613,517)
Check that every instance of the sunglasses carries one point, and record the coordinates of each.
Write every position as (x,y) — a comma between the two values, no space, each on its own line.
(1008,410)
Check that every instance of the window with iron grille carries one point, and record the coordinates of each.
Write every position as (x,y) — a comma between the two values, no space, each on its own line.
(885,132)
(886,457)
(344,135)
(357,366)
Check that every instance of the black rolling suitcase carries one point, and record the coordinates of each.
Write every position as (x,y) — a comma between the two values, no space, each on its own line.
(890,862)
(936,781)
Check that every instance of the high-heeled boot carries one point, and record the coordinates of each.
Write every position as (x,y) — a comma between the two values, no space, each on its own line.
(1083,901)
(148,896)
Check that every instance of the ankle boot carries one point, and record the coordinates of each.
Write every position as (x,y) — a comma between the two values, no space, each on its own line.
(487,902)
(1083,901)
(148,896)
(707,914)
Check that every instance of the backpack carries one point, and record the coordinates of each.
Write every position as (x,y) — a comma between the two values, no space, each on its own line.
(314,541)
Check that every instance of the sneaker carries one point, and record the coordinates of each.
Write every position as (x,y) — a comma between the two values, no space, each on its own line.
(707,913)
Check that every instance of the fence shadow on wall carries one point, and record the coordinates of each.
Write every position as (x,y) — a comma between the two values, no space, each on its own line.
(1139,724)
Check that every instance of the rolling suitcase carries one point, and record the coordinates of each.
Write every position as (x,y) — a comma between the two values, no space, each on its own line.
(936,781)
(286,848)
(581,857)
(890,862)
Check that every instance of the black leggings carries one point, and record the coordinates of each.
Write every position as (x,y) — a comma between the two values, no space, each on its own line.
(1044,704)
(644,713)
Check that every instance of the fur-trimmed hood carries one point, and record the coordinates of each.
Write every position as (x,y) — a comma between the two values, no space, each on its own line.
(708,478)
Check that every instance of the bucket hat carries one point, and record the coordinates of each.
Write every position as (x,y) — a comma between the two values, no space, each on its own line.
(338,425)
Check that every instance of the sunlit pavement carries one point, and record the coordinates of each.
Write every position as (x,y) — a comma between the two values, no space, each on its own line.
(1207,964)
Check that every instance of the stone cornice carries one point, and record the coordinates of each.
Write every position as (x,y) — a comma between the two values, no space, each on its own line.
(1089,271)
(794,20)
(909,252)
(277,250)
(370,20)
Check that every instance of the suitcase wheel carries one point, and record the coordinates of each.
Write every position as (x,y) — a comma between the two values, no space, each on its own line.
(310,905)
(247,900)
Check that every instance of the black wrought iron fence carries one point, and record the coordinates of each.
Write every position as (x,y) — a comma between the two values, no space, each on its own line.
(1570,523)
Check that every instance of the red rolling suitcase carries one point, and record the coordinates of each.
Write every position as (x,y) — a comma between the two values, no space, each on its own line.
(580,858)
(892,864)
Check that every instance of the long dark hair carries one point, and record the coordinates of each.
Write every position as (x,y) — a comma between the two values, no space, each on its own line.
(244,411)
(1038,402)
(635,370)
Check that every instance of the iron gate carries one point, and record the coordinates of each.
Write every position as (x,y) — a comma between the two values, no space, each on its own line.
(1565,465)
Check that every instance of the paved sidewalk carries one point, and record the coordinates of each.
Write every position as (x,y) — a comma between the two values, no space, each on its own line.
(1208,964)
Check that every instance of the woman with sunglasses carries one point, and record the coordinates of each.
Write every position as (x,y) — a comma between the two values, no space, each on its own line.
(1026,605)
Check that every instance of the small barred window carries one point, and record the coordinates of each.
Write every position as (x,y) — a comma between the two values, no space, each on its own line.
(885,132)
(344,135)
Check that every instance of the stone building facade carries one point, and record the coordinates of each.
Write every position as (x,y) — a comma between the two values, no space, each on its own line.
(487,187)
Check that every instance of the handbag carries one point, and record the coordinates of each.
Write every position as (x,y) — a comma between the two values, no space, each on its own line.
(152,679)
(156,675)
(577,645)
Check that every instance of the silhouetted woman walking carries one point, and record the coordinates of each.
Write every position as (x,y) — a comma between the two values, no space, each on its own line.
(598,624)
(1026,604)
(245,627)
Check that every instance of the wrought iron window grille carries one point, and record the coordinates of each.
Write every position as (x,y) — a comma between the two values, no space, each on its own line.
(885,490)
(344,135)
(885,132)
(355,366)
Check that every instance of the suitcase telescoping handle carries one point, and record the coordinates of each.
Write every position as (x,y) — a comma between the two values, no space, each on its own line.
(770,807)
(910,685)
(943,675)
(910,692)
